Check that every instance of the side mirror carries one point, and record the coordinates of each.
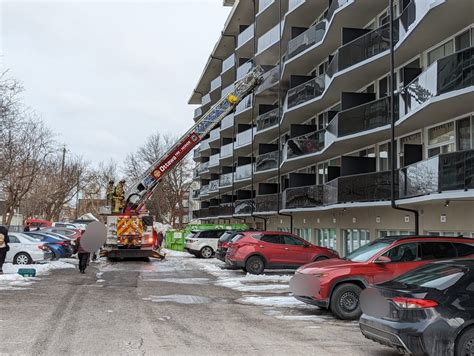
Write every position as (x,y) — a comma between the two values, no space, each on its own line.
(383,259)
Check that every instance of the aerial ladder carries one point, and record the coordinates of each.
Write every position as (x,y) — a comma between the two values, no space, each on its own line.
(130,230)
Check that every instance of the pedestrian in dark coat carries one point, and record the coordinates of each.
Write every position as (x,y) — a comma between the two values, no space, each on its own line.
(83,256)
(4,248)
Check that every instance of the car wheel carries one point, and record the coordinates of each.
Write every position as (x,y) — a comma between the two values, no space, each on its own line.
(465,344)
(206,252)
(345,301)
(255,265)
(321,258)
(22,258)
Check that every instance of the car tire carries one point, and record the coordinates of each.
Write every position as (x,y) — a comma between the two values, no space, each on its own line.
(206,252)
(345,301)
(465,343)
(22,258)
(255,265)
(321,258)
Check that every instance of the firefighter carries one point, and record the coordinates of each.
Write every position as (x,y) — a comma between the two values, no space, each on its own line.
(119,196)
(110,193)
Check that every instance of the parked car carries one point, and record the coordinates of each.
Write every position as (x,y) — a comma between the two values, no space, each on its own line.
(256,251)
(427,311)
(224,242)
(24,250)
(337,283)
(65,225)
(60,247)
(72,234)
(203,243)
(37,223)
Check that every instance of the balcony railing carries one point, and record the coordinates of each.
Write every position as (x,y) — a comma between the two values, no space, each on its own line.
(228,63)
(206,99)
(245,35)
(362,48)
(244,206)
(214,185)
(225,180)
(214,134)
(244,104)
(306,91)
(263,4)
(267,202)
(195,193)
(336,4)
(266,161)
(269,79)
(303,197)
(305,144)
(204,190)
(243,172)
(292,4)
(450,73)
(307,39)
(243,138)
(197,112)
(204,166)
(226,150)
(450,171)
(359,188)
(270,37)
(244,69)
(226,209)
(204,145)
(227,121)
(268,119)
(197,153)
(364,117)
(216,83)
(214,160)
(227,90)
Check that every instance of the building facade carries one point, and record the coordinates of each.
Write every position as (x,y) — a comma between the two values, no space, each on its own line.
(310,151)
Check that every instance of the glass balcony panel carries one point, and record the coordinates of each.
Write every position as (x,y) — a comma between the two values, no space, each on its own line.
(206,99)
(204,190)
(197,153)
(197,112)
(456,171)
(214,160)
(214,185)
(204,145)
(270,37)
(243,172)
(268,119)
(306,91)
(203,213)
(215,134)
(243,138)
(227,121)
(226,150)
(305,144)
(303,197)
(267,202)
(420,178)
(336,4)
(269,79)
(244,69)
(216,83)
(263,4)
(225,180)
(292,4)
(244,206)
(228,63)
(226,209)
(245,35)
(307,39)
(266,161)
(227,90)
(244,104)
(203,167)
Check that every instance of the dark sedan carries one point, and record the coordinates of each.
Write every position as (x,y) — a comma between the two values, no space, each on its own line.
(428,311)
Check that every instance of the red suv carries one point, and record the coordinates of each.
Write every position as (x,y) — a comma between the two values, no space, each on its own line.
(256,251)
(337,283)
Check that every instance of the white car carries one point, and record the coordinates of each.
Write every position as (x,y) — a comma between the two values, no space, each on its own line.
(203,243)
(25,250)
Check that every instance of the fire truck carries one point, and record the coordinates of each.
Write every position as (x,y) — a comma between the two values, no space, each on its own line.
(130,231)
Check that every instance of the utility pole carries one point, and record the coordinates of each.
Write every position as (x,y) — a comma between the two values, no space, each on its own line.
(63,160)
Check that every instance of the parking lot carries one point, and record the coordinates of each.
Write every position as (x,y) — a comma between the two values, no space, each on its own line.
(182,305)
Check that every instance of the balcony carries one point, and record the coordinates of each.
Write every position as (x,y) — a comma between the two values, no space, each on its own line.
(244,69)
(362,118)
(216,83)
(362,48)
(303,197)
(450,73)
(268,119)
(225,180)
(204,145)
(195,194)
(268,39)
(197,112)
(196,153)
(307,39)
(269,80)
(226,209)
(227,90)
(292,4)
(266,203)
(446,172)
(306,91)
(206,99)
(227,122)
(244,207)
(244,104)
(243,138)
(245,36)
(215,134)
(266,161)
(263,4)
(243,172)
(364,187)
(203,167)
(305,144)
(214,160)
(204,190)
(228,63)
(226,150)
(214,185)
(336,4)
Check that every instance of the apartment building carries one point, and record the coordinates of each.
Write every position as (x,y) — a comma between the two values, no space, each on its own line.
(310,151)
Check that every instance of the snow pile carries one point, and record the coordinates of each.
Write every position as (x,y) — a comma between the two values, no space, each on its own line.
(173,253)
(279,301)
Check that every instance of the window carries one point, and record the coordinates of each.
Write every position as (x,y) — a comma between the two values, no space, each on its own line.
(385,157)
(403,253)
(464,249)
(273,239)
(304,233)
(463,40)
(327,238)
(414,139)
(323,169)
(436,276)
(355,238)
(384,233)
(13,239)
(364,253)
(465,133)
(441,139)
(383,87)
(437,250)
(290,240)
(283,229)
(440,52)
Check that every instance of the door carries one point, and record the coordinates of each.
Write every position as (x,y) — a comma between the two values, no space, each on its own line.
(297,252)
(273,248)
(403,258)
(434,250)
(15,247)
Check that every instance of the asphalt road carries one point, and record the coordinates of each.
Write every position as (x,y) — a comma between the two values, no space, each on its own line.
(162,308)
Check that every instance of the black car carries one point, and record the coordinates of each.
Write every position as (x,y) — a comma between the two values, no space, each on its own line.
(427,311)
(223,243)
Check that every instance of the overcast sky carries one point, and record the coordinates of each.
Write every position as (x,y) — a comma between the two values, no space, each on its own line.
(105,74)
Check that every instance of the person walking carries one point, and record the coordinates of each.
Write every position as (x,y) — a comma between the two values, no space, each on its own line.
(4,248)
(83,256)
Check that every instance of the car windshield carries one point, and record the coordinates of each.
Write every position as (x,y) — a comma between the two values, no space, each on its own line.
(226,236)
(236,238)
(437,276)
(364,253)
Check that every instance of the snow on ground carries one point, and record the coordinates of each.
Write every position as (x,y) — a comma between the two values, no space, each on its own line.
(275,301)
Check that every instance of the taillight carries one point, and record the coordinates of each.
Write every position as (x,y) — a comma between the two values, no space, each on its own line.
(150,239)
(43,247)
(414,303)
(62,243)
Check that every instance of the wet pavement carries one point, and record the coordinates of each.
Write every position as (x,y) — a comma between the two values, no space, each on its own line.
(180,306)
